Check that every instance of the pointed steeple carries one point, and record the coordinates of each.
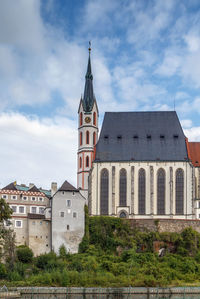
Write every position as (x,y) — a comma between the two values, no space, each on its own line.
(88,98)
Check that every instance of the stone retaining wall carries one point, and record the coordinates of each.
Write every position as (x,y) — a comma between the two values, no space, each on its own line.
(165,225)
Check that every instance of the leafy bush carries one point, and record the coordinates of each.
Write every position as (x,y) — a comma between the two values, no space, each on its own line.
(24,254)
(3,271)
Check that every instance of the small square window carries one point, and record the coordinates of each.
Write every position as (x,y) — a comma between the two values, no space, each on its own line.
(18,223)
(68,203)
(25,198)
(8,223)
(21,210)
(34,210)
(67,226)
(62,214)
(4,196)
(33,198)
(74,215)
(41,210)
(40,198)
(63,192)
(13,197)
(33,222)
(14,208)
(40,222)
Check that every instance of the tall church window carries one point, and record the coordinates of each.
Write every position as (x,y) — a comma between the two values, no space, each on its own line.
(179,191)
(141,192)
(104,183)
(81,119)
(87,161)
(94,119)
(87,137)
(161,192)
(80,162)
(122,188)
(94,138)
(81,138)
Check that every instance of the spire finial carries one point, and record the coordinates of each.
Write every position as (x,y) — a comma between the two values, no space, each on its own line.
(89,49)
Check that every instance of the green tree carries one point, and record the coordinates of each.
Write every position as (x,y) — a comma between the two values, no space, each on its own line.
(24,254)
(5,211)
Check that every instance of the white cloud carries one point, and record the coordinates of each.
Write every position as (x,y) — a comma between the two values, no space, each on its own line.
(39,151)
(169,65)
(186,123)
(193,133)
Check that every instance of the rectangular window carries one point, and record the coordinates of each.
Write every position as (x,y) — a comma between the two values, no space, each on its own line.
(62,214)
(4,196)
(41,198)
(8,223)
(14,208)
(40,222)
(13,197)
(74,215)
(21,209)
(67,226)
(41,210)
(18,223)
(25,198)
(68,203)
(34,210)
(33,198)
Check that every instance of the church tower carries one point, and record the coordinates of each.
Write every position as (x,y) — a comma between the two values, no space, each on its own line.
(87,131)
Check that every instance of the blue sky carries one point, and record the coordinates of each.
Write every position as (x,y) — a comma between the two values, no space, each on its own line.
(145,56)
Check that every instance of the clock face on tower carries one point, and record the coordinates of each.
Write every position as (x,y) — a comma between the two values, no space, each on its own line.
(87,119)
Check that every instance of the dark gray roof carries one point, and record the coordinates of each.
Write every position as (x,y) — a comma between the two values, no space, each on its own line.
(34,189)
(66,186)
(88,98)
(141,136)
(11,186)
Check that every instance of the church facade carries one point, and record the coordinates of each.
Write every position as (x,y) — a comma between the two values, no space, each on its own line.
(141,166)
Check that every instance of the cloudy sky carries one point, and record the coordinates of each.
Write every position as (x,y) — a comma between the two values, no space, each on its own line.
(145,57)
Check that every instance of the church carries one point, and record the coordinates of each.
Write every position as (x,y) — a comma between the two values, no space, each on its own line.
(141,166)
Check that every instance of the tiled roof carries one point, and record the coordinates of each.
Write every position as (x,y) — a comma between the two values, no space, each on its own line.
(194,153)
(66,186)
(11,186)
(141,136)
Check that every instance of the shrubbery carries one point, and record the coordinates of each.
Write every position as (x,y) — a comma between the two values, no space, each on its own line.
(112,254)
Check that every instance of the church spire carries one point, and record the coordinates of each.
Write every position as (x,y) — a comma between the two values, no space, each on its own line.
(88,98)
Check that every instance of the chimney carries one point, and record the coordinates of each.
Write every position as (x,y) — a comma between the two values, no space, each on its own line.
(31,185)
(53,188)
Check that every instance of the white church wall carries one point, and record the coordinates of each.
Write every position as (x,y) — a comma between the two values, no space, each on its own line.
(150,211)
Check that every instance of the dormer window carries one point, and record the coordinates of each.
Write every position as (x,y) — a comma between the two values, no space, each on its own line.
(119,136)
(162,136)
(148,136)
(135,137)
(175,136)
(106,136)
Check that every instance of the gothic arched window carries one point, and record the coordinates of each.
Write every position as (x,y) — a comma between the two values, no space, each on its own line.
(122,187)
(81,119)
(179,191)
(141,192)
(81,138)
(94,138)
(80,162)
(94,119)
(87,137)
(122,214)
(104,189)
(87,161)
(161,192)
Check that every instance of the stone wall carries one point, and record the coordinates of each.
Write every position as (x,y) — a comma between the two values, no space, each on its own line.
(165,225)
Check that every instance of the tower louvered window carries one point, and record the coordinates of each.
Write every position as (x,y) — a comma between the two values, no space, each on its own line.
(161,192)
(87,161)
(94,138)
(94,119)
(80,163)
(179,192)
(122,188)
(81,138)
(87,137)
(141,192)
(104,192)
